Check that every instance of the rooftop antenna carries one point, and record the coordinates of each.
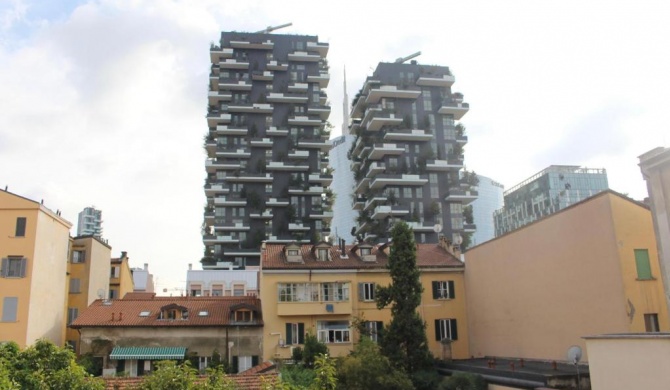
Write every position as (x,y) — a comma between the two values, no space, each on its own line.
(409,57)
(270,29)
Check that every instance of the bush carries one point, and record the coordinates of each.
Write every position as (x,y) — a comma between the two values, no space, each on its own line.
(426,380)
(464,381)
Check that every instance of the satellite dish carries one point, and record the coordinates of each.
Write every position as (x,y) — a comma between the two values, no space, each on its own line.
(458,240)
(574,354)
(437,228)
(101,293)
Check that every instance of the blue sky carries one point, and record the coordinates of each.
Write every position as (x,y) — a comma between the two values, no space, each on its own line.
(103,102)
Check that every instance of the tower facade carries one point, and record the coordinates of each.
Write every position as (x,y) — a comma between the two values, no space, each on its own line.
(89,222)
(547,192)
(407,157)
(489,201)
(267,146)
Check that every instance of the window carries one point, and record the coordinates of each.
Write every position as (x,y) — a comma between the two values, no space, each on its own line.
(446,329)
(322,254)
(366,291)
(114,272)
(243,316)
(295,333)
(642,264)
(203,313)
(217,290)
(365,251)
(203,362)
(293,252)
(651,322)
(334,292)
(72,314)
(145,313)
(333,331)
(113,294)
(238,290)
(243,363)
(298,292)
(78,257)
(9,309)
(20,227)
(75,286)
(374,330)
(443,290)
(13,267)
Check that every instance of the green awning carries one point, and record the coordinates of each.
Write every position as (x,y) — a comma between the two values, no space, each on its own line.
(148,353)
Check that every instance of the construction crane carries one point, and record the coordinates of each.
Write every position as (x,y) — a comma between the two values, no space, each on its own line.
(409,57)
(270,29)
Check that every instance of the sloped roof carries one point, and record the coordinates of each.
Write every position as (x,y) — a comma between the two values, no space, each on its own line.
(427,256)
(126,312)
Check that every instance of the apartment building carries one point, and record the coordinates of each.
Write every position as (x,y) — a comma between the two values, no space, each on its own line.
(322,290)
(89,276)
(120,277)
(267,146)
(226,283)
(89,222)
(408,154)
(33,272)
(143,280)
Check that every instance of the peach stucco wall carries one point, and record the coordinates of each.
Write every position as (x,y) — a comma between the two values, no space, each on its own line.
(536,291)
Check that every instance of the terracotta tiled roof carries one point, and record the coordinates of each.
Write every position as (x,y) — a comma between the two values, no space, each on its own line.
(139,295)
(244,382)
(261,368)
(427,255)
(126,312)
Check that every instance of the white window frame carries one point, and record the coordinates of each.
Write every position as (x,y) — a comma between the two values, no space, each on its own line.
(445,328)
(243,363)
(333,332)
(368,291)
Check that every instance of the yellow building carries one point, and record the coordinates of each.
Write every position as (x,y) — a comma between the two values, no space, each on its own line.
(33,274)
(120,277)
(589,269)
(89,278)
(320,289)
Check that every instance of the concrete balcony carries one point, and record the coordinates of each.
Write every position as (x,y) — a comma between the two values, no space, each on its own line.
(323,179)
(298,87)
(215,117)
(322,111)
(274,131)
(210,147)
(382,212)
(212,166)
(234,153)
(355,165)
(276,65)
(262,76)
(435,81)
(320,144)
(220,240)
(277,202)
(298,227)
(462,139)
(223,201)
(362,228)
(469,228)
(362,186)
(380,150)
(315,309)
(319,47)
(217,54)
(298,154)
(232,227)
(276,97)
(458,194)
(408,135)
(212,189)
(267,45)
(233,64)
(444,165)
(454,107)
(235,85)
(256,108)
(375,169)
(218,96)
(418,227)
(320,214)
(281,166)
(230,130)
(390,91)
(322,78)
(250,178)
(306,191)
(303,56)
(359,203)
(266,214)
(262,142)
(375,201)
(376,118)
(381,181)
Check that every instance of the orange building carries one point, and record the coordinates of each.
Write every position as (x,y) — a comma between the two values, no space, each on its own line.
(120,277)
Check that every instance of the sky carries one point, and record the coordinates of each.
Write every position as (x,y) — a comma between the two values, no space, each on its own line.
(103,102)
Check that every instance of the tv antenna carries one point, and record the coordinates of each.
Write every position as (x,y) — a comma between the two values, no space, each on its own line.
(574,355)
(270,29)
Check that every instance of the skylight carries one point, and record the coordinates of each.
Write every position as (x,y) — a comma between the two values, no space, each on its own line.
(145,313)
(203,313)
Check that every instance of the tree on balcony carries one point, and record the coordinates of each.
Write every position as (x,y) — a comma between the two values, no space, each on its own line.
(467,214)
(460,130)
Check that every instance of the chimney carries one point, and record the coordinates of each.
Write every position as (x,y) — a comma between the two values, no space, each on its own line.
(112,316)
(190,266)
(123,254)
(120,316)
(146,266)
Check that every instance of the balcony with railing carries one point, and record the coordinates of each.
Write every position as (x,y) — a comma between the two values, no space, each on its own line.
(298,154)
(215,117)
(276,65)
(359,203)
(314,143)
(250,178)
(454,105)
(234,152)
(322,78)
(231,130)
(265,214)
(298,87)
(324,179)
(459,194)
(375,168)
(278,97)
(380,150)
(212,189)
(381,212)
(218,96)
(215,239)
(232,63)
(303,56)
(306,190)
(408,135)
(266,75)
(444,165)
(375,118)
(216,54)
(282,166)
(374,201)
(322,111)
(277,202)
(436,81)
(319,47)
(262,142)
(383,180)
(420,227)
(320,213)
(224,201)
(235,85)
(267,45)
(212,165)
(392,92)
(275,131)
(298,227)
(255,108)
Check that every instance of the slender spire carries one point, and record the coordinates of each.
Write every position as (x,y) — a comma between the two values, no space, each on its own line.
(345,107)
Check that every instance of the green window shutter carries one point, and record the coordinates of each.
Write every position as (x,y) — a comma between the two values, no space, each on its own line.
(642,264)
(301,333)
(380,331)
(4,269)
(453,329)
(289,334)
(435,290)
(437,329)
(452,291)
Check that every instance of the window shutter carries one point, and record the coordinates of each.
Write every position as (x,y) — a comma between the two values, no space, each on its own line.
(301,333)
(20,227)
(437,327)
(361,291)
(453,329)
(452,291)
(4,268)
(235,367)
(289,334)
(9,308)
(380,330)
(642,264)
(435,290)
(24,264)
(254,361)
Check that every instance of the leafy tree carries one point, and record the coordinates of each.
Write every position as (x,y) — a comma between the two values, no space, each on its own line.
(170,376)
(313,348)
(366,368)
(43,366)
(325,378)
(427,379)
(405,342)
(92,364)
(464,381)
(297,375)
(216,380)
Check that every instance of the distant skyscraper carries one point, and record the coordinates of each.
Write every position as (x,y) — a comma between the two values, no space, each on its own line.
(90,222)
(547,192)
(490,199)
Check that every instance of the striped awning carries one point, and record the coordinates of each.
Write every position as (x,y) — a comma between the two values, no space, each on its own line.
(148,353)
